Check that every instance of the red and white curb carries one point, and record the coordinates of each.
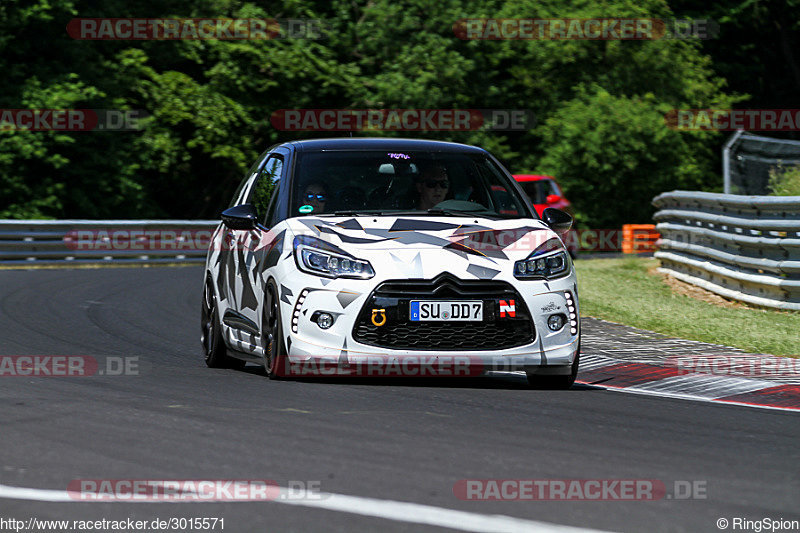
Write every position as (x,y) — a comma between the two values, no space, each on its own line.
(676,382)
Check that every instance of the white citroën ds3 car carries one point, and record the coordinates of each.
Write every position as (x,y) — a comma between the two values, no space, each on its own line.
(353,256)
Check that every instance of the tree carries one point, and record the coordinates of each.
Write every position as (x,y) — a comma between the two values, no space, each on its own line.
(209,101)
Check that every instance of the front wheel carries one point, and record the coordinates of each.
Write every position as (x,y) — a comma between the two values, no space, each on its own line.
(275,357)
(557,382)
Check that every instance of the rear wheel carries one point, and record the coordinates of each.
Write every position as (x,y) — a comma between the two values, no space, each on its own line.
(275,357)
(557,382)
(214,350)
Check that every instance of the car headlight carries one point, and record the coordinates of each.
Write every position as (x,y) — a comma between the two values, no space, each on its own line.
(548,261)
(322,259)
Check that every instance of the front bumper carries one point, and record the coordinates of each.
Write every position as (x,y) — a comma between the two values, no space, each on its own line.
(350,301)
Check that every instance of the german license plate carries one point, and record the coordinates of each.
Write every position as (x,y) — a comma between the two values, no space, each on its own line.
(443,311)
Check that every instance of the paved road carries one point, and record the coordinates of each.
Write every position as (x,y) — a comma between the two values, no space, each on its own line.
(403,441)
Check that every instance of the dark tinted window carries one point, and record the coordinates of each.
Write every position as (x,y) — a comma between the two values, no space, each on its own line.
(273,203)
(264,186)
(326,182)
(250,172)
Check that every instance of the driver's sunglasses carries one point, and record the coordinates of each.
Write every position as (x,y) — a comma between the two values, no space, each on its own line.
(319,197)
(442,184)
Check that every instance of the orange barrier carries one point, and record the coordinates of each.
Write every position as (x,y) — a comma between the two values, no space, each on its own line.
(639,238)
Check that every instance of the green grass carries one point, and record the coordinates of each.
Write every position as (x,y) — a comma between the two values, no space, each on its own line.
(621,290)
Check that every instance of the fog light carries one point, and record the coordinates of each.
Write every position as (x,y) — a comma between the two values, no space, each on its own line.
(324,320)
(556,322)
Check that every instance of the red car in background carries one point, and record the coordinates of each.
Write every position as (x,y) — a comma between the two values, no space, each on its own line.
(544,192)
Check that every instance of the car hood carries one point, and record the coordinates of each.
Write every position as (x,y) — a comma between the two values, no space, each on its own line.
(471,238)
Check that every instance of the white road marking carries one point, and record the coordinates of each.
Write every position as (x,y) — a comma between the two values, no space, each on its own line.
(41,495)
(430,515)
(414,513)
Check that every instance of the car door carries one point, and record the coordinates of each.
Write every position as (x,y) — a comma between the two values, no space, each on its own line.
(251,249)
(227,242)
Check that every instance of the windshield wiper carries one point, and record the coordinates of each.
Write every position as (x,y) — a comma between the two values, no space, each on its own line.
(459,213)
(435,211)
(352,213)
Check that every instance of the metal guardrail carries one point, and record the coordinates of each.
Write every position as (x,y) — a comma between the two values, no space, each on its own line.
(40,242)
(746,248)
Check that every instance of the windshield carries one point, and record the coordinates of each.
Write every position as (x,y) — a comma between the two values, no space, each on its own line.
(424,183)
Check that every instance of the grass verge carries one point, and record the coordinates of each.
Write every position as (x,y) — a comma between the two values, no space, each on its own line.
(622,290)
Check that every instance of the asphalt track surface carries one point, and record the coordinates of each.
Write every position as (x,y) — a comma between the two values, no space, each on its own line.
(394,440)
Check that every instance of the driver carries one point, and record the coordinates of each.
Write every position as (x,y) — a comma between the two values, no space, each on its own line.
(432,186)
(316,196)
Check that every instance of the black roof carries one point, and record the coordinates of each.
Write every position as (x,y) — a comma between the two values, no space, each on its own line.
(382,143)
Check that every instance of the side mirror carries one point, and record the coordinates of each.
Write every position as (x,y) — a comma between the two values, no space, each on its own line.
(242,217)
(552,198)
(558,220)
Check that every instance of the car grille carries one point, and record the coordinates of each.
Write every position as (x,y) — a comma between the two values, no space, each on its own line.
(493,333)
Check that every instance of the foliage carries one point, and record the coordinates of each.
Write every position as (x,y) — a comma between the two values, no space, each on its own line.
(784,181)
(599,104)
(613,154)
